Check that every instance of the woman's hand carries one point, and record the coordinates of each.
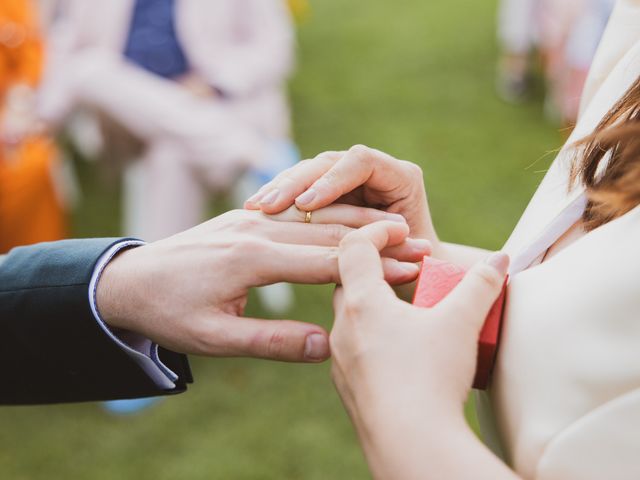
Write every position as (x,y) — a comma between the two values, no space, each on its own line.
(382,344)
(404,372)
(188,292)
(361,176)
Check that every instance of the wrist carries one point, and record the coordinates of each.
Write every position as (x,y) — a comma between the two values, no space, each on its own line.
(383,406)
(113,292)
(410,443)
(412,406)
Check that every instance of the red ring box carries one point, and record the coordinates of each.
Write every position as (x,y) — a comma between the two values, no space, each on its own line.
(437,278)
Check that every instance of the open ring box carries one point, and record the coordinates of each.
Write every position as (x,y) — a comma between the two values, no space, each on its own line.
(437,278)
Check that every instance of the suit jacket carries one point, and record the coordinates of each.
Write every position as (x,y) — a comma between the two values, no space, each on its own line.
(565,398)
(51,346)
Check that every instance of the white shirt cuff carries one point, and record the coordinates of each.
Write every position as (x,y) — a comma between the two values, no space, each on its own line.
(142,350)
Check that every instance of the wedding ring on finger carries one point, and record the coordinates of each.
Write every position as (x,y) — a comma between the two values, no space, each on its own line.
(336,214)
(307,217)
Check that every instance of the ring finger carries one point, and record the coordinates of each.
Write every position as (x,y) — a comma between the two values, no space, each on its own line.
(348,215)
(330,224)
(318,265)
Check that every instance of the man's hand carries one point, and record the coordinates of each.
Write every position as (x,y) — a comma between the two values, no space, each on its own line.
(188,292)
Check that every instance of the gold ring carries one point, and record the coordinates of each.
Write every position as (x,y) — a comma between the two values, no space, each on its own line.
(307,217)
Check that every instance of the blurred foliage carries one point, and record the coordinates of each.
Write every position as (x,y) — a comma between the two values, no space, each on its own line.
(300,9)
(412,78)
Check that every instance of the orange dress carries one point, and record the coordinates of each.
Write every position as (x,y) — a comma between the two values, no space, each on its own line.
(30,209)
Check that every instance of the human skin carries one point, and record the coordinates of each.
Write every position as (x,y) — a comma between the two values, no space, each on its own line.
(366,177)
(188,292)
(404,372)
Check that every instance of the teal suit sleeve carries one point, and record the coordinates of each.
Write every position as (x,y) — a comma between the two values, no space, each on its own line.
(51,346)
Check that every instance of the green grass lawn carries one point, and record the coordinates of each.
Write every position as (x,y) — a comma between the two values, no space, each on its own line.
(414,78)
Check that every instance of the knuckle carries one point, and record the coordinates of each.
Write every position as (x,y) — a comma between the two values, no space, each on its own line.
(328,266)
(287,177)
(292,213)
(247,224)
(336,232)
(352,239)
(354,305)
(248,246)
(360,150)
(332,255)
(209,340)
(241,220)
(231,217)
(275,345)
(413,170)
(488,277)
(328,159)
(275,182)
(326,156)
(333,176)
(362,155)
(370,215)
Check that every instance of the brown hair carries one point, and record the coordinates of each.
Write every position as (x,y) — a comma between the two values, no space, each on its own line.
(615,190)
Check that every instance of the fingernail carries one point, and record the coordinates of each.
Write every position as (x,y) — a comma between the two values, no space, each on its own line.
(394,217)
(255,198)
(420,244)
(499,261)
(306,197)
(408,267)
(316,347)
(270,197)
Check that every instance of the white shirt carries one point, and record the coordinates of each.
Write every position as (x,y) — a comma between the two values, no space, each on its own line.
(142,350)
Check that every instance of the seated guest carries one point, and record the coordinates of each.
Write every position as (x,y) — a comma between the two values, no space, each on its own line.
(199,85)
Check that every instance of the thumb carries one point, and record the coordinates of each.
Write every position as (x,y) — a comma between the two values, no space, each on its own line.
(473,297)
(284,340)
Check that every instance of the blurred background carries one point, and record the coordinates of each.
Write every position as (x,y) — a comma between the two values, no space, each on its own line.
(145,117)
